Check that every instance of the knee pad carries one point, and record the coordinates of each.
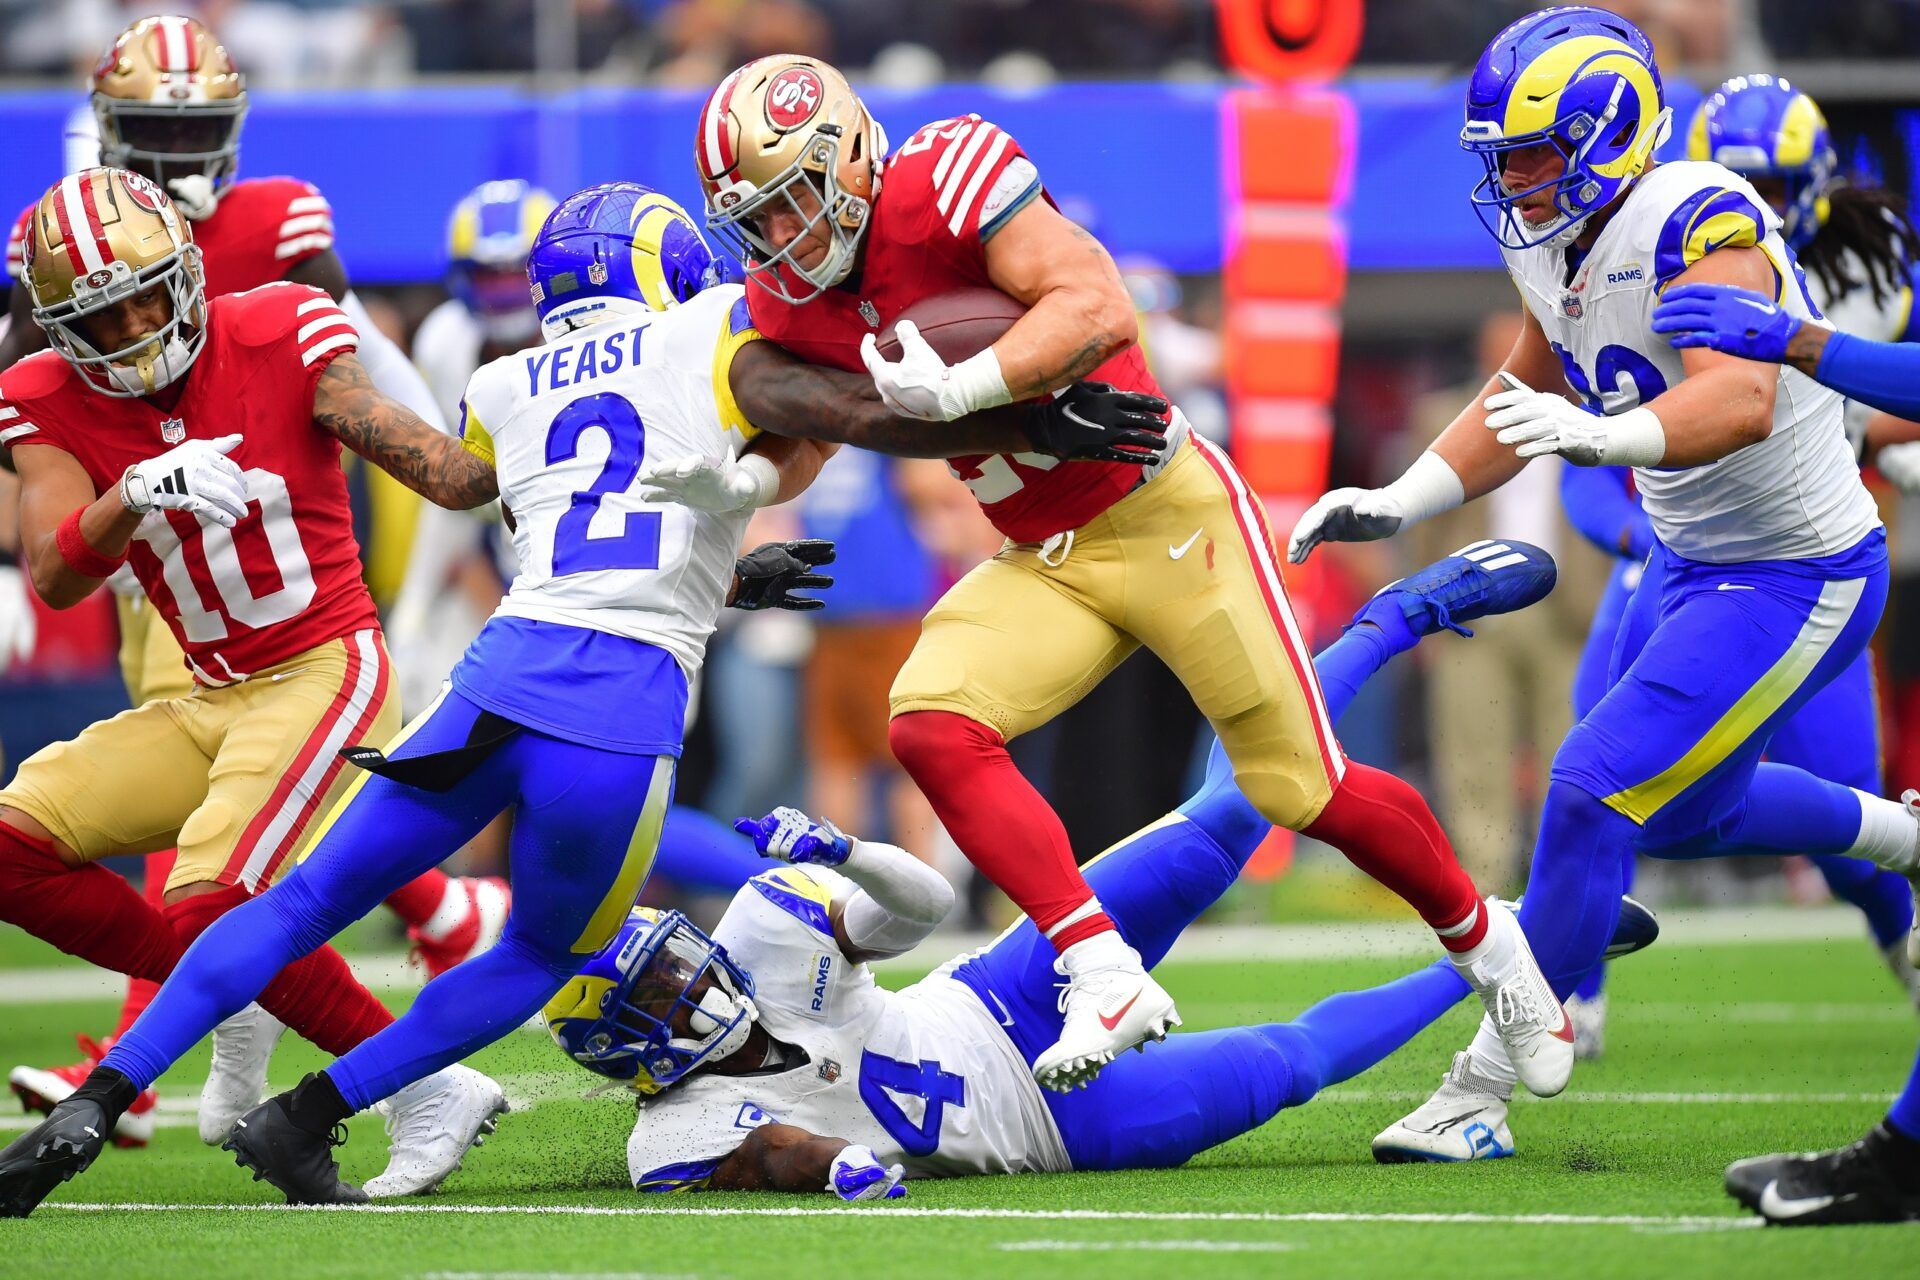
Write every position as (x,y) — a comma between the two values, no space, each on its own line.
(1281,799)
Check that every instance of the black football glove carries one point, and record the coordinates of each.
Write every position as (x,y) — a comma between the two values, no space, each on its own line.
(1098,422)
(765,577)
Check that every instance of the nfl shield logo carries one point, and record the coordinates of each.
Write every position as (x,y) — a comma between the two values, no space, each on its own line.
(1570,303)
(173,431)
(871,314)
(597,272)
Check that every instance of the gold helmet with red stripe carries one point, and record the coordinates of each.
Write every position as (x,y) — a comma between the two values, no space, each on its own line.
(170,102)
(96,239)
(787,134)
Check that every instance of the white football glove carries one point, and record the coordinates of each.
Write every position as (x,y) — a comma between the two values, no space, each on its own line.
(197,477)
(194,196)
(922,385)
(18,630)
(1900,464)
(1537,423)
(857,1174)
(731,483)
(1345,515)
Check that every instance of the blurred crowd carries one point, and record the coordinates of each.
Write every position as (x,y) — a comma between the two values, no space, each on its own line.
(906,43)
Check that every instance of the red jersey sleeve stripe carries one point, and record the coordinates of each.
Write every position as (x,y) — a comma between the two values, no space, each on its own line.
(953,150)
(347,339)
(956,180)
(9,434)
(988,164)
(304,245)
(306,222)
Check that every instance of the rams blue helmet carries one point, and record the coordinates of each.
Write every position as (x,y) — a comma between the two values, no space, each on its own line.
(654,1004)
(618,247)
(1582,81)
(1761,127)
(488,239)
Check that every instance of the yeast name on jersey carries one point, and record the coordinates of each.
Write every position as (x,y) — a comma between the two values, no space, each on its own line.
(261,229)
(942,196)
(287,577)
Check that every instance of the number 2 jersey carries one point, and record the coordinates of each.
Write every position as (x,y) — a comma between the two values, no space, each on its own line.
(1795,495)
(925,1077)
(285,578)
(567,427)
(942,196)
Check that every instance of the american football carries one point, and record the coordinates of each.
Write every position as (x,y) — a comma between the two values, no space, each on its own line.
(725,639)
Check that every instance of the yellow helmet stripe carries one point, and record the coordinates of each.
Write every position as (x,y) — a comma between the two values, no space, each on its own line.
(651,218)
(1799,123)
(1534,100)
(465,232)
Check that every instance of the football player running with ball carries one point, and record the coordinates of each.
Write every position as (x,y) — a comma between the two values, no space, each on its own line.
(1772,557)
(839,240)
(567,709)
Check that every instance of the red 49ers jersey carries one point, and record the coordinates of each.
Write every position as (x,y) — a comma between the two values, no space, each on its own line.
(287,577)
(942,196)
(261,229)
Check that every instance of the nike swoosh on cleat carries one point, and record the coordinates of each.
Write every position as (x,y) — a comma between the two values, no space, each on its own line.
(1114,1021)
(1440,1125)
(1176,552)
(1775,1205)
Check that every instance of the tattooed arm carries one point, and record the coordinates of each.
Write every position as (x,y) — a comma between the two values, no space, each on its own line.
(347,406)
(1079,315)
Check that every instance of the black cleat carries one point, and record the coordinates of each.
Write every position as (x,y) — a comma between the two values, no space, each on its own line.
(1868,1181)
(297,1162)
(62,1145)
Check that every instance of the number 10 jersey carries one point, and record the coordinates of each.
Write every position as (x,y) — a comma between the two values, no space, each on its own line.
(568,426)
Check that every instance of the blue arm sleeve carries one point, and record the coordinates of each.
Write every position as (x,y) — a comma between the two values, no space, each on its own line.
(1602,507)
(1885,375)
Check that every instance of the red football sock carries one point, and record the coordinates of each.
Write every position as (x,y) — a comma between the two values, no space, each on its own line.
(316,995)
(416,900)
(999,821)
(85,911)
(140,991)
(1387,830)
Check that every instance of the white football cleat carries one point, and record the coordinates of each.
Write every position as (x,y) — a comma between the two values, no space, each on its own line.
(1521,1008)
(431,1125)
(1589,1026)
(1465,1119)
(237,1081)
(1111,1003)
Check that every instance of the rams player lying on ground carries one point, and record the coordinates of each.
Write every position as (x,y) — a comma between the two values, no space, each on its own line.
(753,1045)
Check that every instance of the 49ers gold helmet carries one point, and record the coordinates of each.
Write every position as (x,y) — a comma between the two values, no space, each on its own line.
(774,124)
(170,102)
(97,238)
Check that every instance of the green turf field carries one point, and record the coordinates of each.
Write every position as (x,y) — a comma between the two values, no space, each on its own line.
(1716,1052)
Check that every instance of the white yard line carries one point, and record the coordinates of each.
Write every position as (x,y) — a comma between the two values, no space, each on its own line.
(1146,1246)
(1337,941)
(1716,1221)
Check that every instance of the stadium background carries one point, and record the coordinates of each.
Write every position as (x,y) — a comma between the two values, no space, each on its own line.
(1306,258)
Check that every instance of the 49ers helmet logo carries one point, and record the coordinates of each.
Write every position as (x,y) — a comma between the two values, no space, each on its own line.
(143,193)
(793,97)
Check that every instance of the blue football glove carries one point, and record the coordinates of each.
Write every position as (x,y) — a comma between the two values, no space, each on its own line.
(1720,317)
(791,836)
(857,1174)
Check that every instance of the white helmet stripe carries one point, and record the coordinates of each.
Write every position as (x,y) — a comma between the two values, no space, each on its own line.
(173,31)
(79,224)
(713,138)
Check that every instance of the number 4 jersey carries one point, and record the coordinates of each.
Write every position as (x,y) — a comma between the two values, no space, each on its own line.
(925,1076)
(567,427)
(287,577)
(1793,496)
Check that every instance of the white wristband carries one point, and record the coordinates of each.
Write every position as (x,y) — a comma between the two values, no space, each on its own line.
(1429,487)
(1634,439)
(977,383)
(765,477)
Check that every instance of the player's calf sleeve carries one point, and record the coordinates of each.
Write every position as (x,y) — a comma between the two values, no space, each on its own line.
(1357,656)
(1348,1033)
(699,852)
(1574,884)
(1905,1115)
(85,911)
(464,1009)
(999,821)
(1885,899)
(416,901)
(1383,827)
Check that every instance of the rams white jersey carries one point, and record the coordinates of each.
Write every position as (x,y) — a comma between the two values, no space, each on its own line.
(1886,318)
(925,1076)
(569,425)
(1793,496)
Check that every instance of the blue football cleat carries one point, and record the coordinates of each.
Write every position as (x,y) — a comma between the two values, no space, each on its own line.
(1484,578)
